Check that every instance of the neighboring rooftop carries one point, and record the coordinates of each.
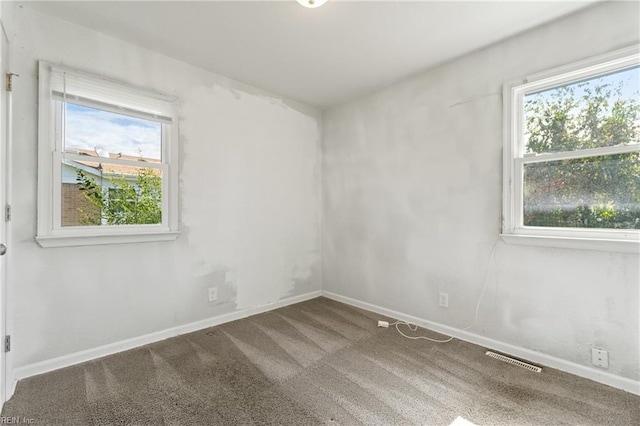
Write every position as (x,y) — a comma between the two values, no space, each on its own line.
(108,168)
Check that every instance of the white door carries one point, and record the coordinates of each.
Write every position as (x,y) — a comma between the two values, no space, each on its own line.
(5,129)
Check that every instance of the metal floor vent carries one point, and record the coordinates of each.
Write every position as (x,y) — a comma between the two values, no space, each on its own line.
(514,361)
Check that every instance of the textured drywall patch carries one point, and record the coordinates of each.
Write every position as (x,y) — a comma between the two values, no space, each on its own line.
(250,190)
(412,206)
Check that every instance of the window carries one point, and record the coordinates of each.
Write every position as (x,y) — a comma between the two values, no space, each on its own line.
(572,156)
(107,161)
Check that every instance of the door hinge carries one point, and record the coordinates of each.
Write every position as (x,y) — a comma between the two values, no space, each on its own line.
(7,213)
(8,81)
(7,343)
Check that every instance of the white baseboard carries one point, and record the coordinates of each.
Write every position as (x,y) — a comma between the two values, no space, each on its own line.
(603,377)
(123,345)
(527,354)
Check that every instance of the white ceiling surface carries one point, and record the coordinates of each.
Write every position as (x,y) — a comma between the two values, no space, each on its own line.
(320,57)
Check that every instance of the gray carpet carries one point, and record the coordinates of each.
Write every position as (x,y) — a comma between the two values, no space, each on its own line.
(317,362)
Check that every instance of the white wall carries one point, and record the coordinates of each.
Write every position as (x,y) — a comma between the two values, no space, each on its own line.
(249,211)
(412,194)
(412,205)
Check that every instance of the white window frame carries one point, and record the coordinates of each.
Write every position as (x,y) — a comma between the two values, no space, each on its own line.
(103,94)
(514,159)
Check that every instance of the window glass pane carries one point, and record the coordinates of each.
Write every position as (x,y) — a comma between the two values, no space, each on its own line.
(95,194)
(598,112)
(594,192)
(101,133)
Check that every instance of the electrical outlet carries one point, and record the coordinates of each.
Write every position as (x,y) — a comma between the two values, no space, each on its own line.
(600,358)
(444,300)
(213,294)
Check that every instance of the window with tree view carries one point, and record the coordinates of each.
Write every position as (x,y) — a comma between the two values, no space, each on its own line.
(575,144)
(111,169)
(107,161)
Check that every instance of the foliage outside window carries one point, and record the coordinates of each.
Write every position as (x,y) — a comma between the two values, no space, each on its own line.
(107,159)
(574,143)
(124,203)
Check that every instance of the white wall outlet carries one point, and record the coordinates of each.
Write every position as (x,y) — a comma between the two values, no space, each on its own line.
(444,300)
(600,358)
(213,294)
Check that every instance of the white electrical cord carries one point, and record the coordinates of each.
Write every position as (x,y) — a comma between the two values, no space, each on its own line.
(486,283)
(414,327)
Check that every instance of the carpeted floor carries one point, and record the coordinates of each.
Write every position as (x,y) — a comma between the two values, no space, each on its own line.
(317,362)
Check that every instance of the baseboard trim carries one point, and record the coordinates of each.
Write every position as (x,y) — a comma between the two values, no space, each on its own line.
(123,345)
(608,379)
(509,349)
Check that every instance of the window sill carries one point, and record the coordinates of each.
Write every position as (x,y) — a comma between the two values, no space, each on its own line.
(90,240)
(608,245)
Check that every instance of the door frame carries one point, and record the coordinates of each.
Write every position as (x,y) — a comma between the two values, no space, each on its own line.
(5,200)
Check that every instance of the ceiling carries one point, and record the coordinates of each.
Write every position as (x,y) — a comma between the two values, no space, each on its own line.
(320,57)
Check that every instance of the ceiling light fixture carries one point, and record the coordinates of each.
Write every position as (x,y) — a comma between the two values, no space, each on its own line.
(311,4)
